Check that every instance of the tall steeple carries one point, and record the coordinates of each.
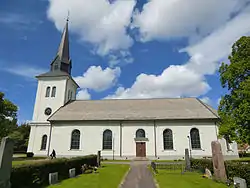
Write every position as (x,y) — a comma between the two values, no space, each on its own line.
(62,61)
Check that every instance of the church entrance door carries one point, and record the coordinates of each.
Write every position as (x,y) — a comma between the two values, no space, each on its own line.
(140,149)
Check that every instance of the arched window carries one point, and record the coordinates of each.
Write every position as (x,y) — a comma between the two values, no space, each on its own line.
(195,138)
(168,139)
(140,133)
(44,142)
(47,92)
(107,139)
(75,139)
(53,93)
(56,66)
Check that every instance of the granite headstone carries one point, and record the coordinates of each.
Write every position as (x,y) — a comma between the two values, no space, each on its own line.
(6,154)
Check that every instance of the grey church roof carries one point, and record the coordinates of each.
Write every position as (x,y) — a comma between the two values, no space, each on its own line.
(135,109)
(53,73)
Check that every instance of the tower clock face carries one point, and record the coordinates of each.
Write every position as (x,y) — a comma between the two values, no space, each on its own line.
(47,111)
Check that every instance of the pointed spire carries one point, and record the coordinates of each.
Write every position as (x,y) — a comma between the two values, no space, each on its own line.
(63,50)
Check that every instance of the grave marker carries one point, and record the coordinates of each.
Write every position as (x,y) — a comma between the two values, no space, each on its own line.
(239,182)
(98,159)
(218,162)
(72,172)
(53,178)
(187,160)
(6,154)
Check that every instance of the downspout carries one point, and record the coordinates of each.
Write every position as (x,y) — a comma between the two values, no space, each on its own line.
(50,131)
(120,138)
(155,139)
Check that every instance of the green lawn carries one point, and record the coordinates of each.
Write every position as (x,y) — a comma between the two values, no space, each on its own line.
(26,161)
(174,179)
(109,176)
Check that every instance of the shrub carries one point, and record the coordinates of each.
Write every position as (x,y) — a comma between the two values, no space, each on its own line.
(29,154)
(234,168)
(36,175)
(201,164)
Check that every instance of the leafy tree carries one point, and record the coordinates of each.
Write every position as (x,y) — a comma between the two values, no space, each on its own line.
(234,108)
(21,136)
(8,116)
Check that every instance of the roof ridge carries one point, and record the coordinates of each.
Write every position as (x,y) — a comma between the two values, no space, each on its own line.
(136,99)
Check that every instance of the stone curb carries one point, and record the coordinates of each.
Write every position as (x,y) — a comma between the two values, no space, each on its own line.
(124,177)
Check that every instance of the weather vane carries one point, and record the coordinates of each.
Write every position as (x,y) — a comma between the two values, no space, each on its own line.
(68,16)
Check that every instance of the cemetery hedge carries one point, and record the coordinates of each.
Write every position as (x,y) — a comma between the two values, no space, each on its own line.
(36,175)
(234,168)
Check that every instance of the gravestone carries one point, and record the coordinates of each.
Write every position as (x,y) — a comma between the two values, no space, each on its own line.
(218,162)
(187,160)
(6,154)
(239,182)
(208,173)
(72,172)
(98,158)
(53,178)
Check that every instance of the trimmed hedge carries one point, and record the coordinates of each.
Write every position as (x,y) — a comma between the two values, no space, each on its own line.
(234,168)
(36,175)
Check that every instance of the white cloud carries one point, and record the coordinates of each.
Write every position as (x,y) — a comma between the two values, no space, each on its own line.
(175,81)
(206,100)
(218,101)
(83,94)
(98,79)
(188,79)
(96,21)
(161,19)
(25,71)
(206,54)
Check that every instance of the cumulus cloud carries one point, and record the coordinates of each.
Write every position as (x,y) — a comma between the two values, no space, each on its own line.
(193,19)
(175,81)
(99,22)
(98,79)
(189,79)
(83,94)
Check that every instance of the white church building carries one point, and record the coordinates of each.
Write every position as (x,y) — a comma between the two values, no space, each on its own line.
(119,128)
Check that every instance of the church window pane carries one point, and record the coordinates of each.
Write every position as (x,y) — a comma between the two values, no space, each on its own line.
(195,138)
(107,139)
(168,139)
(53,94)
(47,92)
(44,142)
(140,133)
(75,139)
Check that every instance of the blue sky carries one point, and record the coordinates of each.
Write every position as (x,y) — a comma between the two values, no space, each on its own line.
(122,49)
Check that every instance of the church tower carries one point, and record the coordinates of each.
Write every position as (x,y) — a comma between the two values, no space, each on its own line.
(56,87)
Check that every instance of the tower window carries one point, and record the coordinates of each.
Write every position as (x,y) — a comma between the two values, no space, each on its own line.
(44,142)
(53,94)
(47,92)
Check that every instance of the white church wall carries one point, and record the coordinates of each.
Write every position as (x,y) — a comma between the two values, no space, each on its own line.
(90,140)
(128,134)
(42,102)
(70,86)
(180,132)
(35,140)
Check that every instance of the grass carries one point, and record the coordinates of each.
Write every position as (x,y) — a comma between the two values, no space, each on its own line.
(174,179)
(109,176)
(21,161)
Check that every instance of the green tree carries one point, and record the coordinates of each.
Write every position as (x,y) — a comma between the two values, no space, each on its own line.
(234,108)
(21,137)
(8,116)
